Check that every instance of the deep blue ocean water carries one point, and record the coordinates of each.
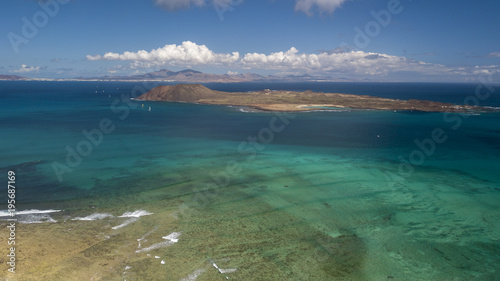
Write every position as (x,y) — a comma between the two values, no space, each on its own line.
(363,165)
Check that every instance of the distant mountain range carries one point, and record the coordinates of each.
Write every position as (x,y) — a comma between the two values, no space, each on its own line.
(187,75)
(193,76)
(11,77)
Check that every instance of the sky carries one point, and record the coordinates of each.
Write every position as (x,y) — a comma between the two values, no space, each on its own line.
(360,40)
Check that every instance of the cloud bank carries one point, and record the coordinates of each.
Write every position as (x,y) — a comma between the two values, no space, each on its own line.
(338,62)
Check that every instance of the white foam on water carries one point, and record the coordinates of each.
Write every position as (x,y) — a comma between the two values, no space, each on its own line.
(193,276)
(36,218)
(135,214)
(172,238)
(223,271)
(243,110)
(93,217)
(125,271)
(125,223)
(155,246)
(30,216)
(6,213)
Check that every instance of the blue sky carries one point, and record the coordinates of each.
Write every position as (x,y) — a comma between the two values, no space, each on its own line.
(446,40)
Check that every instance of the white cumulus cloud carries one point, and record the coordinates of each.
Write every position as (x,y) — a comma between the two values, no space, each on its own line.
(186,54)
(323,5)
(26,69)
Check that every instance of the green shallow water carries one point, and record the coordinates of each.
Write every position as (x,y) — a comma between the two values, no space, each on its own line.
(304,215)
(338,218)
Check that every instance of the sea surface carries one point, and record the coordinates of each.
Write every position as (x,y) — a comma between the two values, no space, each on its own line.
(111,188)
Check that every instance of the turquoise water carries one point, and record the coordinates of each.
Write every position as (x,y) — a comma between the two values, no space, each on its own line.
(329,196)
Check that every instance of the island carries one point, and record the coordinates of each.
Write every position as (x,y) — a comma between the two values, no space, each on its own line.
(281,100)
